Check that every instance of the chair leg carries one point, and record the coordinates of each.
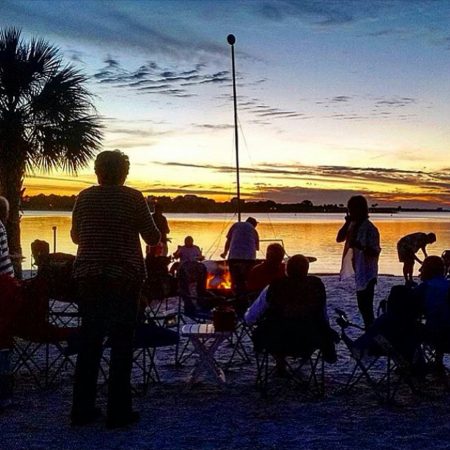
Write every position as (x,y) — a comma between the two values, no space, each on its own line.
(262,372)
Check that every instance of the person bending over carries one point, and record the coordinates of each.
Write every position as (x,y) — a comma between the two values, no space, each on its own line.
(408,246)
(107,222)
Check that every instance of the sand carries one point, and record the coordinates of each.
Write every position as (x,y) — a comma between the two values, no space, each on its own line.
(206,416)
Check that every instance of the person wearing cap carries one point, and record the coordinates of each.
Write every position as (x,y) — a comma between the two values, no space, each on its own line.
(241,246)
(291,316)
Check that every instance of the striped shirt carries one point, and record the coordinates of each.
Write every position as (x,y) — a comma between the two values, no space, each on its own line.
(6,267)
(106,224)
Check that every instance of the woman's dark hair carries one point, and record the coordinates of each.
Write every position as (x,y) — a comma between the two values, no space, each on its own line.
(358,208)
(111,167)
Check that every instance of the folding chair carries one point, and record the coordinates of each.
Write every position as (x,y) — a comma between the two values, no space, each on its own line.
(155,303)
(434,349)
(304,370)
(38,344)
(159,286)
(378,362)
(148,338)
(56,269)
(300,346)
(242,336)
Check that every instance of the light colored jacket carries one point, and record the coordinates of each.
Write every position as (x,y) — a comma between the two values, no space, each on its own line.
(362,261)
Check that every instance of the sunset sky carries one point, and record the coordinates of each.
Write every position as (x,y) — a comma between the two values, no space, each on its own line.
(334,97)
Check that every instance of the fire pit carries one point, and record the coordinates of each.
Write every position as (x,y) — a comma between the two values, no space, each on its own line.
(218,278)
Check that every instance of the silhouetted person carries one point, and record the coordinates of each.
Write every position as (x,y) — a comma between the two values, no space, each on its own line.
(241,246)
(8,308)
(295,318)
(361,253)
(163,227)
(6,267)
(273,268)
(408,246)
(446,258)
(434,298)
(107,221)
(188,251)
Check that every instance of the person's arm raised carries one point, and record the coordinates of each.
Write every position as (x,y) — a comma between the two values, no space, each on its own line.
(342,233)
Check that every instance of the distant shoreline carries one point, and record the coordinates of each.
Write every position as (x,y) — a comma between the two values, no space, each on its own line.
(314,211)
(202,205)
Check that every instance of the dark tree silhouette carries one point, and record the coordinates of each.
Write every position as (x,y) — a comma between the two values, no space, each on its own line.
(47,118)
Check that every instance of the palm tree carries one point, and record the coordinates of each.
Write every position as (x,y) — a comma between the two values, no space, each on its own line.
(47,119)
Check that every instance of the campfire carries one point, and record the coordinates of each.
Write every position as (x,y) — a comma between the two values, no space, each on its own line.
(218,278)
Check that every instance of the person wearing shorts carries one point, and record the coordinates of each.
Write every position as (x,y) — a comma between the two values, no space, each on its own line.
(408,246)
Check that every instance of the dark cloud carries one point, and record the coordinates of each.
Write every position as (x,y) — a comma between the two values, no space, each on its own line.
(324,13)
(395,102)
(431,182)
(358,107)
(68,179)
(152,79)
(117,25)
(210,126)
(260,110)
(185,191)
(333,196)
(341,99)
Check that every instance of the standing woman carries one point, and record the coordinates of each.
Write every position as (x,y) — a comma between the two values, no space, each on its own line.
(361,253)
(107,222)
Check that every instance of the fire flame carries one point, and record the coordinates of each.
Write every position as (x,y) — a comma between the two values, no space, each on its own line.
(219,280)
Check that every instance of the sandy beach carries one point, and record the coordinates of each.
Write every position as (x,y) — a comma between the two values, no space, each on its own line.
(206,416)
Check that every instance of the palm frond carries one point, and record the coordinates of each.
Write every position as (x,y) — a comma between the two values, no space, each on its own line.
(47,116)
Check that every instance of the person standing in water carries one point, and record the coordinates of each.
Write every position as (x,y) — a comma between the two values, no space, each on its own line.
(361,253)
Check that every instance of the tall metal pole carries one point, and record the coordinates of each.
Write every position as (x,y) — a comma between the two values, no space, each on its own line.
(231,40)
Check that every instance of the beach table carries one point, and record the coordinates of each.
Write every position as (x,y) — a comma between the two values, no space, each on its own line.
(206,340)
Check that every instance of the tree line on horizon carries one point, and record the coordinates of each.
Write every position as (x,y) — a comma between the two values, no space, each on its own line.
(195,204)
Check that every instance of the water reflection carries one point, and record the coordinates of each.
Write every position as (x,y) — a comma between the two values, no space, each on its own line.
(314,237)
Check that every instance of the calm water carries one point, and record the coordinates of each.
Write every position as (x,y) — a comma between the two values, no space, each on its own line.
(310,234)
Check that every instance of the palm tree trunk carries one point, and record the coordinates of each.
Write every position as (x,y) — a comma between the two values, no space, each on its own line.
(11,182)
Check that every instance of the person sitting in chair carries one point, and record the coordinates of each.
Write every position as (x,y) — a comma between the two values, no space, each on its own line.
(273,268)
(291,316)
(433,295)
(188,251)
(446,258)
